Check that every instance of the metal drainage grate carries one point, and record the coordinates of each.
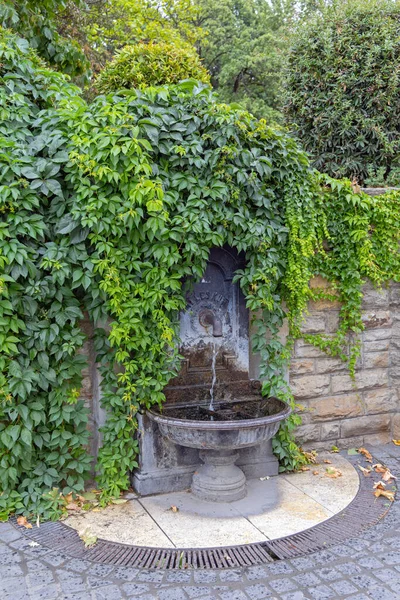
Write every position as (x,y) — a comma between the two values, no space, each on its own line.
(363,512)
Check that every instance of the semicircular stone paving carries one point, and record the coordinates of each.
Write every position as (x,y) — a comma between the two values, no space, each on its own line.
(336,508)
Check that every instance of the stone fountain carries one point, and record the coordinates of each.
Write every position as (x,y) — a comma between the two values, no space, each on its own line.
(215,428)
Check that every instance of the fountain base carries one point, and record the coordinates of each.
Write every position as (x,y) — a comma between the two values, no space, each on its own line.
(219,479)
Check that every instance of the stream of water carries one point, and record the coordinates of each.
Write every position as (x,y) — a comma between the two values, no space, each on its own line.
(214,377)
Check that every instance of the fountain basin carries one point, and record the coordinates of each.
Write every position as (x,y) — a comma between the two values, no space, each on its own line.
(235,425)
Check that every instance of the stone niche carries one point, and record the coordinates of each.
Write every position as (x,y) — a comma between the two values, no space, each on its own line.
(214,333)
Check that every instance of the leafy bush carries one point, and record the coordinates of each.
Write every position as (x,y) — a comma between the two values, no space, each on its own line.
(343,88)
(151,65)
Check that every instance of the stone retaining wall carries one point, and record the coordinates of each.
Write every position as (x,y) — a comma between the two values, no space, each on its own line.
(335,409)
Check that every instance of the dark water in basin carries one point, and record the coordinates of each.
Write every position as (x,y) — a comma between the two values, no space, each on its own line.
(226,411)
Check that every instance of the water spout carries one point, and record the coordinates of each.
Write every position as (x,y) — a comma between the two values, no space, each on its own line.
(207,318)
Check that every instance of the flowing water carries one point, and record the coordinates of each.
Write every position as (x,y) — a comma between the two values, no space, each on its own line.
(214,377)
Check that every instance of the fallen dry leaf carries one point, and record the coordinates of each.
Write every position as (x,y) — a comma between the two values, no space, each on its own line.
(311,456)
(174,509)
(396,442)
(119,501)
(315,472)
(327,462)
(333,472)
(304,468)
(385,493)
(366,472)
(379,468)
(379,485)
(23,521)
(388,475)
(72,506)
(367,455)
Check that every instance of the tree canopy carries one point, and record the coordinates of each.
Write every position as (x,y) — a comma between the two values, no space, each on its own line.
(343,90)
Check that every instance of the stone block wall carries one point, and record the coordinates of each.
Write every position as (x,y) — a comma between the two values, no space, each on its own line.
(337,410)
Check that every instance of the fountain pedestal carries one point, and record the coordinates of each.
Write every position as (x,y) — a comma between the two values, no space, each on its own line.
(219,479)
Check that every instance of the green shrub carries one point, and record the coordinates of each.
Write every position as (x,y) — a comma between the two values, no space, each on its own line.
(151,64)
(343,89)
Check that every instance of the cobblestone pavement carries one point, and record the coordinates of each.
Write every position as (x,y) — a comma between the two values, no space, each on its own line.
(363,568)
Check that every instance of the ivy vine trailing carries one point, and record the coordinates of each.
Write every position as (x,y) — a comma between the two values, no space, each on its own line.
(109,208)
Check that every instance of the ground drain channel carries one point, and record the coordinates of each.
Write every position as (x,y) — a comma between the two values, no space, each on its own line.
(364,511)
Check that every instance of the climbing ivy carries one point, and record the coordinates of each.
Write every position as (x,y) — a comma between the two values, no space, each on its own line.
(110,208)
(43,425)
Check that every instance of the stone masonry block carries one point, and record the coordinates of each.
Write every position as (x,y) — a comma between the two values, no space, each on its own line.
(377,439)
(376,334)
(378,346)
(377,319)
(308,433)
(332,321)
(314,323)
(380,401)
(364,380)
(396,427)
(304,350)
(329,365)
(376,360)
(360,426)
(330,431)
(395,294)
(320,282)
(300,366)
(352,442)
(335,407)
(375,298)
(308,386)
(325,305)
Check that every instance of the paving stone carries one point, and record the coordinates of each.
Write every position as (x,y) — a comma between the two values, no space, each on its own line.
(344,587)
(151,576)
(135,589)
(126,573)
(294,596)
(256,573)
(387,575)
(110,592)
(391,558)
(100,570)
(364,581)
(49,592)
(205,576)
(258,591)
(178,576)
(96,582)
(327,574)
(234,595)
(173,593)
(321,592)
(196,591)
(231,575)
(282,585)
(370,562)
(40,578)
(379,593)
(8,571)
(306,579)
(54,559)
